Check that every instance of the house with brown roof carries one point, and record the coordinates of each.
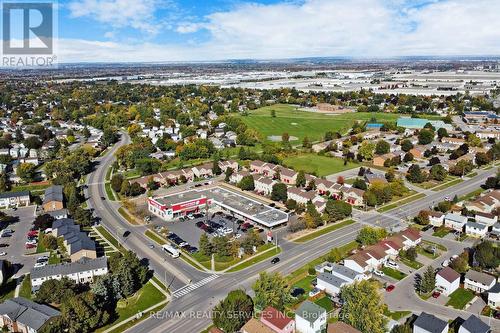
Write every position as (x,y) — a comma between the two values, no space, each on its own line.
(277,321)
(301,196)
(379,160)
(257,166)
(417,152)
(354,196)
(287,176)
(447,280)
(264,185)
(203,171)
(228,164)
(323,186)
(436,218)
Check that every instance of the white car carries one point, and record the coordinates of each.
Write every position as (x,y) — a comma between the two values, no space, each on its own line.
(392,264)
(40,264)
(237,236)
(445,263)
(378,273)
(3,253)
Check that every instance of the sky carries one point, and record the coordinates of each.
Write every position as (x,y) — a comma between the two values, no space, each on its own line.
(210,30)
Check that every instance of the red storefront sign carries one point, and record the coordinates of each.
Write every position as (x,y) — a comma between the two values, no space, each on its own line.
(189,204)
(157,205)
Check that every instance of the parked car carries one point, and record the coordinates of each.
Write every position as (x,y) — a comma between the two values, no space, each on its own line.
(30,246)
(445,263)
(390,288)
(4,245)
(39,264)
(3,253)
(392,264)
(199,224)
(378,273)
(436,294)
(275,260)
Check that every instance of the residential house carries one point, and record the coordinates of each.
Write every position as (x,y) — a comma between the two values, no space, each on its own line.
(474,325)
(354,196)
(277,320)
(255,326)
(257,166)
(485,203)
(310,318)
(338,277)
(238,176)
(427,323)
(82,271)
(323,186)
(484,135)
(59,214)
(418,152)
(203,171)
(341,327)
(495,231)
(454,141)
(15,199)
(379,160)
(22,315)
(447,280)
(224,165)
(264,185)
(475,229)
(53,199)
(287,176)
(494,296)
(301,196)
(455,221)
(78,244)
(436,218)
(478,282)
(411,238)
(486,218)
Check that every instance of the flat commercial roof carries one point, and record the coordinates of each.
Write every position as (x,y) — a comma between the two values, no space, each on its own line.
(236,202)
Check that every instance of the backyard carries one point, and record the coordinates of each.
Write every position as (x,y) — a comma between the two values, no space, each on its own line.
(459,298)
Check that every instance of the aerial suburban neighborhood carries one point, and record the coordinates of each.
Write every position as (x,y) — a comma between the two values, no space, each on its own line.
(315,166)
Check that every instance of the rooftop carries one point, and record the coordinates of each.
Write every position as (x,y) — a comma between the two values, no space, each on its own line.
(430,323)
(82,265)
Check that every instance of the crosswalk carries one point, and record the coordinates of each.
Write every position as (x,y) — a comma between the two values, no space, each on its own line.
(190,287)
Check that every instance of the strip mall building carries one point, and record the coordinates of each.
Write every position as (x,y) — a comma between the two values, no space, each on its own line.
(239,204)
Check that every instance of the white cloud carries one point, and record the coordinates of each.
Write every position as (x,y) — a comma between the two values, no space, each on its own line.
(363,28)
(138,14)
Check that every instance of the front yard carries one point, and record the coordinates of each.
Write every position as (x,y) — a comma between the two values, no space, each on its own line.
(459,298)
(393,273)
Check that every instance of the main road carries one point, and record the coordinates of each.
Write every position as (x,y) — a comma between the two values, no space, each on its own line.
(190,312)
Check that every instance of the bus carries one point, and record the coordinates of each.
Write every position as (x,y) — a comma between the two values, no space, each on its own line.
(171,250)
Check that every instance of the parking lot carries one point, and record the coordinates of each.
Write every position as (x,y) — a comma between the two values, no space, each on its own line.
(15,244)
(215,224)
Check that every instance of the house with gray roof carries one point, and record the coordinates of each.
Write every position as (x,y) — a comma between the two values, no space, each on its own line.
(474,325)
(427,323)
(478,282)
(22,315)
(475,229)
(310,318)
(78,244)
(53,198)
(455,221)
(15,199)
(81,271)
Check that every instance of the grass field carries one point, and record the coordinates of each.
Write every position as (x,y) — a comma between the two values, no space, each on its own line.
(398,202)
(256,259)
(104,232)
(459,298)
(448,184)
(411,263)
(302,123)
(441,232)
(395,274)
(319,165)
(25,289)
(325,303)
(109,192)
(331,227)
(155,237)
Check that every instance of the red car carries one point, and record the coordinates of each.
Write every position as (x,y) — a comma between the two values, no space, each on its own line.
(30,246)
(33,233)
(390,288)
(436,294)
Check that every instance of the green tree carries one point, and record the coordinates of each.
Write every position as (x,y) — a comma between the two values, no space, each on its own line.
(247,183)
(221,246)
(228,173)
(425,136)
(438,172)
(415,174)
(233,311)
(362,307)
(271,290)
(461,168)
(487,255)
(56,291)
(337,210)
(301,179)
(27,172)
(408,157)
(370,235)
(279,192)
(205,244)
(116,182)
(442,132)
(482,158)
(422,218)
(403,328)
(382,147)
(366,149)
(406,145)
(461,263)
(83,313)
(4,182)
(427,281)
(306,143)
(48,241)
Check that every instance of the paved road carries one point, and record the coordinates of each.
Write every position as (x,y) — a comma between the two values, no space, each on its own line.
(195,305)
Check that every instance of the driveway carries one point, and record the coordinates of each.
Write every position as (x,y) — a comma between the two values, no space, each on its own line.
(15,251)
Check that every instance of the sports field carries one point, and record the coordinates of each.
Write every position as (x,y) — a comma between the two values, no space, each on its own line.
(303,123)
(319,165)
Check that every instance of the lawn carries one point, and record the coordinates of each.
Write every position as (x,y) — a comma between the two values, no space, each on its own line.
(109,192)
(329,228)
(155,237)
(112,240)
(25,289)
(127,216)
(255,259)
(325,303)
(305,283)
(396,315)
(300,124)
(395,274)
(398,201)
(471,195)
(459,298)
(441,232)
(411,263)
(143,299)
(448,184)
(318,165)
